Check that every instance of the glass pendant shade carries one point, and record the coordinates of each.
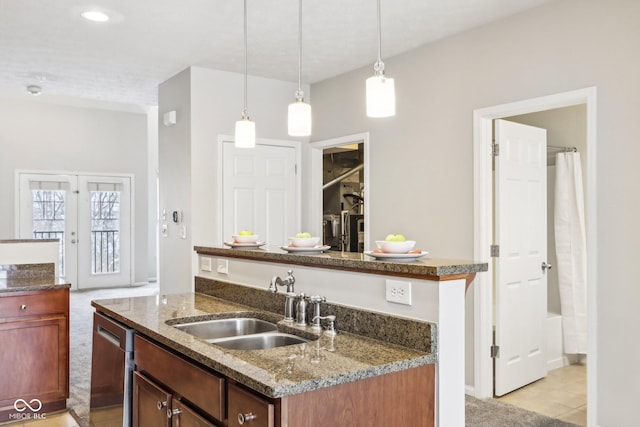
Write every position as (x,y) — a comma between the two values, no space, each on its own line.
(381,96)
(299,118)
(245,133)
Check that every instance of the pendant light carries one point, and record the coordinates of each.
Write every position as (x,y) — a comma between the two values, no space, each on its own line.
(245,128)
(299,111)
(381,94)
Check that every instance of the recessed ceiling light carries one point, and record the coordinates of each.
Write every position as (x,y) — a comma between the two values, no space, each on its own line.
(95,15)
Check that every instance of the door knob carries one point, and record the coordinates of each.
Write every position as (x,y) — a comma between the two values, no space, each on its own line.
(546,266)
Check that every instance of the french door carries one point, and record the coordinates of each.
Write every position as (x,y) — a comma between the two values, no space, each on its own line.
(90,215)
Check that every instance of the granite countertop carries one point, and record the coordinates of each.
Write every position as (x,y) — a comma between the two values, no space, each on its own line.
(421,268)
(36,284)
(276,372)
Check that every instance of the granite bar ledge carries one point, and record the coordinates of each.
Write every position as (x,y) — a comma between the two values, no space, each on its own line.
(424,268)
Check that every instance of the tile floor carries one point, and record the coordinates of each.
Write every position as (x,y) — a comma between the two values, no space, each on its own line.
(62,419)
(562,394)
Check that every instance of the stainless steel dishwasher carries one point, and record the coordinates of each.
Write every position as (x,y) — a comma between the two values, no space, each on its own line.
(111,373)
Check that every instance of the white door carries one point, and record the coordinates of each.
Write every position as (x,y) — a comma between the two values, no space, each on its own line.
(521,233)
(91,215)
(104,231)
(47,209)
(259,192)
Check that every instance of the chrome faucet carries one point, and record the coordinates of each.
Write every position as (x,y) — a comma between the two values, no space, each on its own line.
(290,295)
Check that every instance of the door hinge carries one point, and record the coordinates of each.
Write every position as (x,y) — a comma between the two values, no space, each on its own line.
(495,251)
(495,150)
(76,191)
(295,169)
(495,351)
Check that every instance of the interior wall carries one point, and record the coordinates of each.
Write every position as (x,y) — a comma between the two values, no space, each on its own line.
(208,103)
(40,136)
(174,181)
(421,159)
(566,127)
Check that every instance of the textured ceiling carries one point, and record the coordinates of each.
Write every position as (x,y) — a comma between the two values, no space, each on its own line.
(46,42)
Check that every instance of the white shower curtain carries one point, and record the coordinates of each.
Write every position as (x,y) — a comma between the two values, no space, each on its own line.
(571,251)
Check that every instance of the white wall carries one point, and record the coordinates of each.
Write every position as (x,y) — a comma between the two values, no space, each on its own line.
(37,135)
(421,159)
(208,103)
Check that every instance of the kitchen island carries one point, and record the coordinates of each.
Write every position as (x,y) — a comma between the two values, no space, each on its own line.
(380,369)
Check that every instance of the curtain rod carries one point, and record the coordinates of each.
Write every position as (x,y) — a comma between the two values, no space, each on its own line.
(563,149)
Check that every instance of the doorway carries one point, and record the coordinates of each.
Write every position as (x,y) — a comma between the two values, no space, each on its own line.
(260,190)
(91,217)
(339,209)
(483,232)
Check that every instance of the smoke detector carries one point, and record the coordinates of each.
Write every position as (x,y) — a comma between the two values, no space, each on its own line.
(34,90)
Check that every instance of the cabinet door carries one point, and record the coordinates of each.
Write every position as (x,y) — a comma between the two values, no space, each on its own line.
(150,403)
(34,360)
(183,416)
(246,408)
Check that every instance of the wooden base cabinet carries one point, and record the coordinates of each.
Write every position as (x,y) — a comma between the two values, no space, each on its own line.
(34,360)
(192,396)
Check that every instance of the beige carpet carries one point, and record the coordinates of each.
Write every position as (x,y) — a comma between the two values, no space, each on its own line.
(478,413)
(80,331)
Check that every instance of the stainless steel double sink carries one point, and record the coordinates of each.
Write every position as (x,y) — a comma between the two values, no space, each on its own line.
(242,333)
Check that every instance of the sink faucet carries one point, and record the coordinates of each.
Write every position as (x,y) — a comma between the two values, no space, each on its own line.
(290,295)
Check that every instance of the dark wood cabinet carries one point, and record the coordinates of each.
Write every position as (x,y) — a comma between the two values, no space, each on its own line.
(150,403)
(195,397)
(34,361)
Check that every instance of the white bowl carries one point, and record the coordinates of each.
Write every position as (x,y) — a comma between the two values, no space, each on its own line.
(245,239)
(395,247)
(304,242)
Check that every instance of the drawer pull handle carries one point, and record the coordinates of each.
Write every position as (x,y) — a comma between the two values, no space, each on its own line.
(161,405)
(23,307)
(243,418)
(171,413)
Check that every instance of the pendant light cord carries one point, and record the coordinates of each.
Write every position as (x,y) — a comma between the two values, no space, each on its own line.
(245,113)
(379,34)
(378,67)
(299,93)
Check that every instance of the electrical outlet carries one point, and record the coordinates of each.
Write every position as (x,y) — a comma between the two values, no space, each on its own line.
(223,266)
(205,264)
(399,292)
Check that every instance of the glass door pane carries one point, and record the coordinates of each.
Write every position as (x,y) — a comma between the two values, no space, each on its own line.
(105,229)
(48,208)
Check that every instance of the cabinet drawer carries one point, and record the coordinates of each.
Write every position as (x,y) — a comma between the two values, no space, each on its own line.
(201,388)
(36,303)
(256,411)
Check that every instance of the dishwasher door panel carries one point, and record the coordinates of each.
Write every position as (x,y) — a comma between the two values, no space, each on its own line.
(110,369)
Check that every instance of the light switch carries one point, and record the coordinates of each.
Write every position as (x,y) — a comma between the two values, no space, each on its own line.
(183,231)
(165,230)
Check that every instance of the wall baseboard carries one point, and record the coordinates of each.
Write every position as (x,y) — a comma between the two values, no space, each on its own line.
(469,390)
